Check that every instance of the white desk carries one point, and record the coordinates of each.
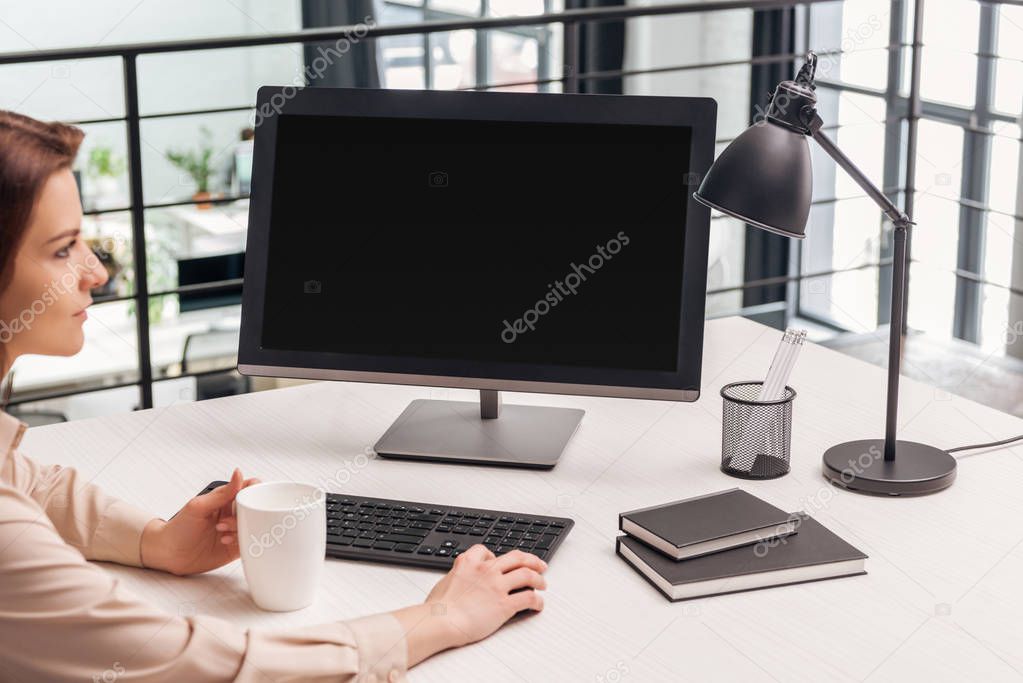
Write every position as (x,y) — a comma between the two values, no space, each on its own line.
(943,598)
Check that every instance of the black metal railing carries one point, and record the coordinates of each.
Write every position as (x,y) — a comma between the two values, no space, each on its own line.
(569,80)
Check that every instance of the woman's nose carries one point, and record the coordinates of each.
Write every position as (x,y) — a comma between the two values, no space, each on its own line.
(96,275)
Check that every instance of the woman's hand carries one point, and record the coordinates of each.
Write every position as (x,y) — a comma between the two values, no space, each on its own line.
(473,600)
(200,537)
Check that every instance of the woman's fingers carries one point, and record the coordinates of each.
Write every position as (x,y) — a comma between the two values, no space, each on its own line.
(523,577)
(526,600)
(228,524)
(516,558)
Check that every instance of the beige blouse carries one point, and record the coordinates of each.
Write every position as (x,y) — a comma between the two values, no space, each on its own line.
(64,619)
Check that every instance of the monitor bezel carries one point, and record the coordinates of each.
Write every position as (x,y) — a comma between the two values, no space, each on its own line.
(697,113)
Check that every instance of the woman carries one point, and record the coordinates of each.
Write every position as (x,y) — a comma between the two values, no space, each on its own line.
(62,618)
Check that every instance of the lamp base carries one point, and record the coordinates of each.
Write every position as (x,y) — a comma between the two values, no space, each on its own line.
(860,466)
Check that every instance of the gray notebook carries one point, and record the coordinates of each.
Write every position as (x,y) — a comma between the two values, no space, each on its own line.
(812,554)
(706,524)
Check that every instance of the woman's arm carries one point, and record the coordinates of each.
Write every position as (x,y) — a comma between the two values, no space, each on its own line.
(99,526)
(66,619)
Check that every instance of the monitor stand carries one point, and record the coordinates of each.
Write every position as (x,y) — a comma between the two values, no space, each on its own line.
(463,431)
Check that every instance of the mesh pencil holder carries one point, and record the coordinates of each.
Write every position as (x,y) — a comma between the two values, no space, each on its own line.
(756,436)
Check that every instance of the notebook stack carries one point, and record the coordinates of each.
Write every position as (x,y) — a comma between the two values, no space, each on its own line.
(727,542)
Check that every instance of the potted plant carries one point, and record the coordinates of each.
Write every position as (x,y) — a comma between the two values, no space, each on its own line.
(103,168)
(197,164)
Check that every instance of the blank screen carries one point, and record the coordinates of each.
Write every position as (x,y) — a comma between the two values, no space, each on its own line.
(539,243)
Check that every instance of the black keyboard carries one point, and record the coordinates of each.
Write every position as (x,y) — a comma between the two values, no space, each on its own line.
(430,535)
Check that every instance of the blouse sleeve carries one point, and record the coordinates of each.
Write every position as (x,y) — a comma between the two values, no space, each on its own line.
(63,619)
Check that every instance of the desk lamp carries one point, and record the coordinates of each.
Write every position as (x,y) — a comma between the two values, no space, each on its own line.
(764,178)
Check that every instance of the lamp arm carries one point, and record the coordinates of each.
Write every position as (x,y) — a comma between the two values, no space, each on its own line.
(898,218)
(898,311)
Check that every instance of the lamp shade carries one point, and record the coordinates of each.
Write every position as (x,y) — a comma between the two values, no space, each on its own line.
(763,178)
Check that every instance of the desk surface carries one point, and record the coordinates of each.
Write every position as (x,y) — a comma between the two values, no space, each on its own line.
(942,599)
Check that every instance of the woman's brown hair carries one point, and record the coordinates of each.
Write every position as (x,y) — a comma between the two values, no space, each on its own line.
(30,152)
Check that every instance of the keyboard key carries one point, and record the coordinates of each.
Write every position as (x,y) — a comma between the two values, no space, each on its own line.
(363,543)
(416,509)
(449,543)
(427,550)
(460,530)
(341,540)
(443,528)
(487,518)
(455,553)
(529,537)
(502,527)
(507,519)
(422,525)
(492,540)
(444,552)
(383,545)
(404,548)
(350,532)
(558,523)
(435,511)
(477,532)
(401,538)
(422,533)
(503,549)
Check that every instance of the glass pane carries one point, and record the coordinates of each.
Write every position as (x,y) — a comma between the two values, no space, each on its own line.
(109,236)
(215,78)
(508,8)
(948,67)
(939,159)
(70,23)
(1010,31)
(930,292)
(193,244)
(996,328)
(513,58)
(453,57)
(848,299)
(63,91)
(936,235)
(109,356)
(400,58)
(1008,86)
(1004,172)
(725,260)
(948,76)
(207,148)
(859,32)
(729,85)
(999,244)
(78,407)
(102,166)
(466,7)
(193,335)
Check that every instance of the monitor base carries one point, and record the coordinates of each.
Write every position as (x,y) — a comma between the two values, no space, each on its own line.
(523,436)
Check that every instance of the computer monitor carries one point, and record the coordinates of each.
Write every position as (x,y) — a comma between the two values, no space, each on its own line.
(492,241)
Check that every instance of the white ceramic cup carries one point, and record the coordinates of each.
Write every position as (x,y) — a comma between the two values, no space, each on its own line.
(282,538)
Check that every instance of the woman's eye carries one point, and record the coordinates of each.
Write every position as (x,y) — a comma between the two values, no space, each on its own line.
(66,251)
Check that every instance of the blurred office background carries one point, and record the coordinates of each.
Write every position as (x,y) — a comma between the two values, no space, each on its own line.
(165,166)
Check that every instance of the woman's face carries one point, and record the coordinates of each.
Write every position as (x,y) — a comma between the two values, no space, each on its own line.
(43,308)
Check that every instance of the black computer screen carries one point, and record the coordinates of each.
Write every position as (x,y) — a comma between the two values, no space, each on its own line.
(538,243)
